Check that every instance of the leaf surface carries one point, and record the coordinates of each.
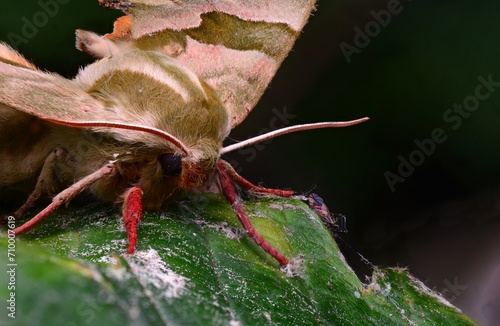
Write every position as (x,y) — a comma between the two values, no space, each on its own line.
(194,266)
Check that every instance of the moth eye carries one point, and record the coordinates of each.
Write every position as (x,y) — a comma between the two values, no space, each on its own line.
(171,164)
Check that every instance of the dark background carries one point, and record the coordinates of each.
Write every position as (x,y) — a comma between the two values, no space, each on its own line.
(442,222)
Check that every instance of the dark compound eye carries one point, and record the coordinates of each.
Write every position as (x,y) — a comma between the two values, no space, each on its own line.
(171,164)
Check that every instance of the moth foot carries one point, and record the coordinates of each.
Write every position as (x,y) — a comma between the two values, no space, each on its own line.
(294,267)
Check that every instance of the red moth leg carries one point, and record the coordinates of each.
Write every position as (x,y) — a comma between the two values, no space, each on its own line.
(247,185)
(66,195)
(132,214)
(230,193)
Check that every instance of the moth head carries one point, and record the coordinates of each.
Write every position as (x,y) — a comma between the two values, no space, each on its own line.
(188,171)
(167,174)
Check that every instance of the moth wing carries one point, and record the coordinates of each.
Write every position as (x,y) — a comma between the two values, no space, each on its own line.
(236,46)
(9,55)
(49,96)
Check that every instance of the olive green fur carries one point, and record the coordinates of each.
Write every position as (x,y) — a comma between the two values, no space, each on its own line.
(230,31)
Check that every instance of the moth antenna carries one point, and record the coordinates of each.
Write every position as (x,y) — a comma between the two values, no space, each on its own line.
(288,130)
(128,126)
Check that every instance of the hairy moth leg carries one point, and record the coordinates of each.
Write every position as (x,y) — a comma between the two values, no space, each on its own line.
(66,195)
(47,182)
(230,193)
(247,185)
(132,214)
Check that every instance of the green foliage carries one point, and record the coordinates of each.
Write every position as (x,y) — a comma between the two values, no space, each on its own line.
(193,266)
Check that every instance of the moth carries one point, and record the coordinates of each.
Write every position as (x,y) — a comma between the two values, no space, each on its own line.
(146,121)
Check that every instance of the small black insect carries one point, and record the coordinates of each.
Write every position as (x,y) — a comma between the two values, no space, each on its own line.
(337,225)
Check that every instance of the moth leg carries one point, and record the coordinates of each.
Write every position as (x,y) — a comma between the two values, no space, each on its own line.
(247,185)
(47,181)
(66,195)
(230,193)
(132,214)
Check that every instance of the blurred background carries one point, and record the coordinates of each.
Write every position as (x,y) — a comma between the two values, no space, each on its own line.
(419,182)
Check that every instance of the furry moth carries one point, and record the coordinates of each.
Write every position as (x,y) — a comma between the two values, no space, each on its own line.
(146,121)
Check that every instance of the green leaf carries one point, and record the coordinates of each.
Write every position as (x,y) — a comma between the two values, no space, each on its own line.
(194,266)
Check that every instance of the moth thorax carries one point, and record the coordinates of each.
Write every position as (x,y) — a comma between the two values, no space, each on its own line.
(195,174)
